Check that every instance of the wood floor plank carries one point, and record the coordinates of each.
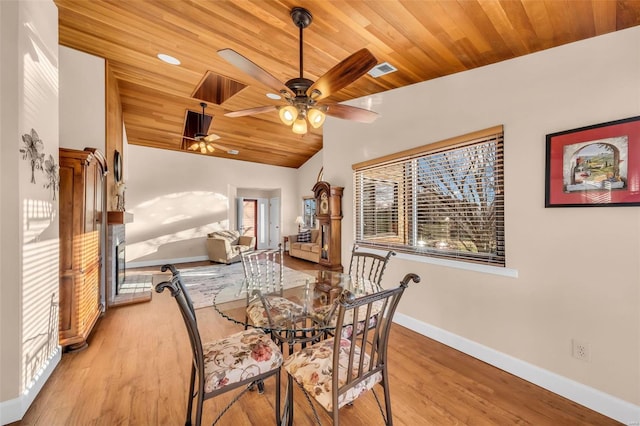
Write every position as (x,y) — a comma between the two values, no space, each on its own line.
(136,371)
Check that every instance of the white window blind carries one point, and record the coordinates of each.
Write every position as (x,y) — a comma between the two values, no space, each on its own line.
(442,200)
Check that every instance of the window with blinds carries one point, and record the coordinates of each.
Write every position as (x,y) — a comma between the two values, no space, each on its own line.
(441,200)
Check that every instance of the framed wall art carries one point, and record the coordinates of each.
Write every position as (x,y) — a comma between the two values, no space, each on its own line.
(594,166)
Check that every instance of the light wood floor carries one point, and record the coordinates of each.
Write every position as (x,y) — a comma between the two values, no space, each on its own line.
(135,372)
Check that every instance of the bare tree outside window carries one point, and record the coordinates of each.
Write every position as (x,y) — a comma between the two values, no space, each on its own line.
(446,203)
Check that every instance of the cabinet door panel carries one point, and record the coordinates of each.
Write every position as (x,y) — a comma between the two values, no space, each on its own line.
(66,305)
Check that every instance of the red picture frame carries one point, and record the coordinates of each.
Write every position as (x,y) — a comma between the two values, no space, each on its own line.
(594,166)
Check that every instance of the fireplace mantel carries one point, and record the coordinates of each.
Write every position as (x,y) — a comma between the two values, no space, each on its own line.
(119,217)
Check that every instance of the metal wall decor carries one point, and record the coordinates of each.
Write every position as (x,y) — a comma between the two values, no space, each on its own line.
(51,170)
(33,152)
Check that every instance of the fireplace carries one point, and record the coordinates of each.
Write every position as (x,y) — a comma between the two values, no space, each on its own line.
(115,260)
(120,265)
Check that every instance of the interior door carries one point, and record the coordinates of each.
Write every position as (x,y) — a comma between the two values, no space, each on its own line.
(240,214)
(274,222)
(262,233)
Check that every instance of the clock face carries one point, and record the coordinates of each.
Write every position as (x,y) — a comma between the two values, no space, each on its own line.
(324,204)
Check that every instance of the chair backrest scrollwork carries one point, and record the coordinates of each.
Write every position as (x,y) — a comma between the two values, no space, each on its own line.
(368,266)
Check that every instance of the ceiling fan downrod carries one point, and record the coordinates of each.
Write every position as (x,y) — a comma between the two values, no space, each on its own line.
(201,124)
(302,19)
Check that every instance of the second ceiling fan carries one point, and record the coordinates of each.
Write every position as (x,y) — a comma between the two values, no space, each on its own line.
(201,141)
(304,96)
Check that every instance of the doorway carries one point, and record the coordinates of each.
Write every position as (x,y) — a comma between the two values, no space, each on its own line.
(258,214)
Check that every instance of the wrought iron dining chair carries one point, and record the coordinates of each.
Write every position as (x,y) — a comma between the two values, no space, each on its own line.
(238,360)
(367,265)
(366,270)
(264,277)
(264,268)
(336,371)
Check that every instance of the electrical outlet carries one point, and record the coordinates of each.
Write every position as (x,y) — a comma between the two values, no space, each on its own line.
(580,350)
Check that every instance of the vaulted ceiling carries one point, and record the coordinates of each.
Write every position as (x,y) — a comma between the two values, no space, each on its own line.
(422,39)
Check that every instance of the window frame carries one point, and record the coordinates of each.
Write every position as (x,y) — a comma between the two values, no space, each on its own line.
(411,162)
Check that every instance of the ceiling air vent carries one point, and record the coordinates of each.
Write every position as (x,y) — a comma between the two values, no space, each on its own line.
(382,69)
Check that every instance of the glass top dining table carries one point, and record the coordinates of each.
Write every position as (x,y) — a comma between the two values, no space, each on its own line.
(300,309)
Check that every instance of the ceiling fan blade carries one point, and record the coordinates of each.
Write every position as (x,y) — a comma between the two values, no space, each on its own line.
(250,68)
(211,137)
(251,111)
(343,74)
(221,147)
(348,112)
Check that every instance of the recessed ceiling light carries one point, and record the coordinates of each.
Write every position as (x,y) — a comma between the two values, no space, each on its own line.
(168,59)
(273,96)
(233,152)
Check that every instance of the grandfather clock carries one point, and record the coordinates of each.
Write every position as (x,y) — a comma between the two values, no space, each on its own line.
(329,217)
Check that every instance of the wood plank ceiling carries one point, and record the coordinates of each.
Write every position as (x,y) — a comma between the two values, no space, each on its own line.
(422,39)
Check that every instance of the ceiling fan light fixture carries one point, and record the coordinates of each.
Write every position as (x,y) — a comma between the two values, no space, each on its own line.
(288,114)
(316,117)
(300,126)
(210,147)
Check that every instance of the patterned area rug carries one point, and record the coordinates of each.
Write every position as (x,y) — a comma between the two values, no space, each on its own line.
(204,282)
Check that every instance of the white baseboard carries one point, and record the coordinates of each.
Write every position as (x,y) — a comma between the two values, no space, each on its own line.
(591,398)
(14,410)
(160,262)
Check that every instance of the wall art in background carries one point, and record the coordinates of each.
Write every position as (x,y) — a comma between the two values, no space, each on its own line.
(594,166)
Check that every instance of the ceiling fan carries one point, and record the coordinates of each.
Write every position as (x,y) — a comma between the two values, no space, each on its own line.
(302,95)
(202,141)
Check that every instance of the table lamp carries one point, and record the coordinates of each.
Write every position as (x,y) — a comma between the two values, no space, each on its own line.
(299,222)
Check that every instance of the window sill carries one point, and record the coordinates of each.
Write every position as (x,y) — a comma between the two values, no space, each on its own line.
(469,266)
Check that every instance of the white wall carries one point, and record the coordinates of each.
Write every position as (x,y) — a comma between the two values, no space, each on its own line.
(577,268)
(29,245)
(9,204)
(308,176)
(82,98)
(176,198)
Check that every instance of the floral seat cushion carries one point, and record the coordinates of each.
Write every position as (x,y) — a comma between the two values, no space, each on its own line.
(311,367)
(280,309)
(238,357)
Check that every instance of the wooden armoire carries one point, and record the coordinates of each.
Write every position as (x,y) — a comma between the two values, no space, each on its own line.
(82,238)
(329,218)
